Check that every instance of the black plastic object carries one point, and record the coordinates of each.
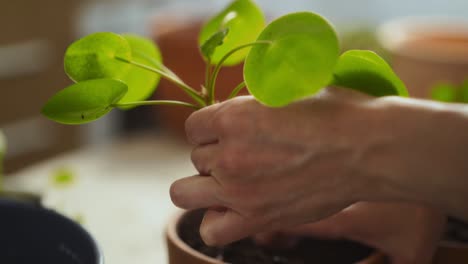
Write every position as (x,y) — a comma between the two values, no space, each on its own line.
(31,234)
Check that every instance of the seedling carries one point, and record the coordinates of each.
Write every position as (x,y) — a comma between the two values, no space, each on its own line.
(291,58)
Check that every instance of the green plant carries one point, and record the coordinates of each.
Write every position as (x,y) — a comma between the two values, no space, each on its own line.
(450,93)
(291,58)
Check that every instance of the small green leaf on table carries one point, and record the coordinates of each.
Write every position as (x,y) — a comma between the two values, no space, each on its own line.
(444,92)
(63,177)
(299,61)
(93,57)
(464,92)
(245,21)
(85,101)
(365,71)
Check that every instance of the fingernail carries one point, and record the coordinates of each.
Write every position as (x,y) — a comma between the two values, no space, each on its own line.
(206,235)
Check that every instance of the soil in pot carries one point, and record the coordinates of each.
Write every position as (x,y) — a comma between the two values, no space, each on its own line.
(246,251)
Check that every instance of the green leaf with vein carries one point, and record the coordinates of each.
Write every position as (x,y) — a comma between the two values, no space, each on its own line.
(299,61)
(365,71)
(245,21)
(93,57)
(85,101)
(141,83)
(209,47)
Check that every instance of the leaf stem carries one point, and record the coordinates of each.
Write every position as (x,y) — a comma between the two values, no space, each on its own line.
(236,90)
(214,76)
(189,90)
(208,71)
(158,64)
(156,102)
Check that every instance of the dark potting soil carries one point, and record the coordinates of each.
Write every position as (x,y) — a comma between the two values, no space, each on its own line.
(246,251)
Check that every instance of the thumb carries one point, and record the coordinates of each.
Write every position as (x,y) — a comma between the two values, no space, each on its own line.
(219,228)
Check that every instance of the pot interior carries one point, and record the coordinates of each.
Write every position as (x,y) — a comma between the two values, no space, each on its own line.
(29,234)
(305,250)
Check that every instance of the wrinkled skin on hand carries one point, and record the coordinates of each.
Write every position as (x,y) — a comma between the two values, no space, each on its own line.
(263,169)
(408,234)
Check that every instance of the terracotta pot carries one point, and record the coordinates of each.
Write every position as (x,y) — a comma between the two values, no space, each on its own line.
(427,51)
(181,253)
(178,41)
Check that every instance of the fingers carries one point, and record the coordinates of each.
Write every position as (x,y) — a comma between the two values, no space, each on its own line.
(196,192)
(222,227)
(203,158)
(199,126)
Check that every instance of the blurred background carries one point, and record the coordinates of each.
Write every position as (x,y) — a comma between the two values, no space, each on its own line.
(117,171)
(36,33)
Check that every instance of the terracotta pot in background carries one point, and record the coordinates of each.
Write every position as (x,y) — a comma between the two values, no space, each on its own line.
(427,51)
(178,41)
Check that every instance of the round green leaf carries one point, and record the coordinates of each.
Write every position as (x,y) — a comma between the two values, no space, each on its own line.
(365,71)
(299,61)
(141,83)
(85,101)
(245,21)
(93,57)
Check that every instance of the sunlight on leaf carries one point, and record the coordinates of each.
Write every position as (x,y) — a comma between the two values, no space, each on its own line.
(365,71)
(85,101)
(245,21)
(141,83)
(93,57)
(298,62)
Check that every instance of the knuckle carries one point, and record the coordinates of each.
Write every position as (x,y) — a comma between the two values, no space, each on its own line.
(228,162)
(189,128)
(197,160)
(223,121)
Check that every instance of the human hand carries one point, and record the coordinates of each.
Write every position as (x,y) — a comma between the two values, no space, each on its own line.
(269,168)
(407,233)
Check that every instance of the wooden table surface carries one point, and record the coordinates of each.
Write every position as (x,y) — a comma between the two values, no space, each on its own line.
(121,193)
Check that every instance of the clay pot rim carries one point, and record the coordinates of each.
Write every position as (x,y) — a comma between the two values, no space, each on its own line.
(173,237)
(171,233)
(393,33)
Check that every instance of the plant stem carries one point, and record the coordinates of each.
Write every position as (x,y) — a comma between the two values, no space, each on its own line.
(236,90)
(189,90)
(158,64)
(157,102)
(214,76)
